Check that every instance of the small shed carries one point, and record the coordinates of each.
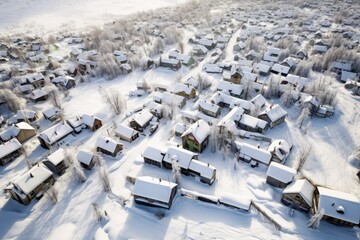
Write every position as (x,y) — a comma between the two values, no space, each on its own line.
(153,155)
(298,195)
(108,146)
(56,162)
(93,123)
(126,133)
(9,151)
(279,175)
(86,159)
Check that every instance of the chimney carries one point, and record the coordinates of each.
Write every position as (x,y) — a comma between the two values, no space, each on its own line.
(107,141)
(31,175)
(208,164)
(159,179)
(279,142)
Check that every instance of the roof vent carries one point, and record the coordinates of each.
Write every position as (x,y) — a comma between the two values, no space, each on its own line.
(31,175)
(107,141)
(340,209)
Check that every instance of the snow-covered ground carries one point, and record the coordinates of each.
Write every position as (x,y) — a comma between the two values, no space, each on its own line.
(53,15)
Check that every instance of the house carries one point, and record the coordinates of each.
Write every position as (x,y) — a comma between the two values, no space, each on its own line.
(279,175)
(86,159)
(184,90)
(280,150)
(224,100)
(249,153)
(108,146)
(212,68)
(341,65)
(339,208)
(54,135)
(345,76)
(9,151)
(272,54)
(154,192)
(232,89)
(298,195)
(252,124)
(252,55)
(239,46)
(52,114)
(274,116)
(173,100)
(37,80)
(38,95)
(236,77)
(179,129)
(196,137)
(126,133)
(156,109)
(56,162)
(262,69)
(173,64)
(208,43)
(76,123)
(289,62)
(184,59)
(259,101)
(141,120)
(280,69)
(31,184)
(25,116)
(22,131)
(64,82)
(182,156)
(320,49)
(205,171)
(199,51)
(120,56)
(209,109)
(91,122)
(353,86)
(234,201)
(154,155)
(313,104)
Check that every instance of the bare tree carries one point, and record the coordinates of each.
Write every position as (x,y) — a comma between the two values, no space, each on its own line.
(114,99)
(75,167)
(54,98)
(314,221)
(14,102)
(176,169)
(52,193)
(98,213)
(305,113)
(104,176)
(303,155)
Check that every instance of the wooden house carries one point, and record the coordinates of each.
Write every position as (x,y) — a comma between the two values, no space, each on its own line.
(209,109)
(298,195)
(9,151)
(173,100)
(91,122)
(30,184)
(279,175)
(204,171)
(54,135)
(37,80)
(56,162)
(64,82)
(154,192)
(183,158)
(339,208)
(173,64)
(22,131)
(196,137)
(39,95)
(184,90)
(252,124)
(108,146)
(236,77)
(141,120)
(280,150)
(25,116)
(86,159)
(52,114)
(253,154)
(154,156)
(230,88)
(126,133)
(274,116)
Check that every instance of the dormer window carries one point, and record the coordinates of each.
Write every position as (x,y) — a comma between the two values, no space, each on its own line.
(340,209)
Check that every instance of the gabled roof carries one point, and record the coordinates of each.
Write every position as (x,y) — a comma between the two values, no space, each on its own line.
(84,157)
(259,100)
(51,112)
(9,147)
(107,144)
(89,120)
(125,131)
(25,114)
(275,113)
(31,179)
(247,150)
(153,153)
(180,87)
(340,205)
(57,157)
(204,169)
(56,132)
(143,117)
(200,130)
(38,93)
(152,188)
(209,106)
(182,156)
(281,148)
(235,89)
(303,187)
(281,172)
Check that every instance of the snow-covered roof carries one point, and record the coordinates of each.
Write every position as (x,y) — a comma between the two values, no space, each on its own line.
(235,89)
(34,77)
(281,148)
(342,65)
(340,205)
(25,114)
(88,120)
(246,150)
(9,147)
(153,188)
(180,87)
(204,169)
(182,156)
(200,130)
(180,128)
(209,106)
(9,133)
(31,179)
(125,131)
(143,117)
(320,48)
(234,200)
(63,80)
(259,100)
(170,61)
(280,68)
(253,122)
(38,93)
(275,113)
(154,153)
(51,112)
(281,172)
(107,144)
(84,157)
(56,132)
(345,75)
(303,187)
(57,157)
(262,67)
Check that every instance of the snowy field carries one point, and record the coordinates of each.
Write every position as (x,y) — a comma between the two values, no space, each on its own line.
(333,141)
(52,15)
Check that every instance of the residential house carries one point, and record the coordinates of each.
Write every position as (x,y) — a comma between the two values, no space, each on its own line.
(196,137)
(64,82)
(9,151)
(38,95)
(120,56)
(212,68)
(259,101)
(199,51)
(22,131)
(54,135)
(76,123)
(272,55)
(56,162)
(37,80)
(204,171)
(173,64)
(338,207)
(253,154)
(179,129)
(182,156)
(154,156)
(239,46)
(280,69)
(141,120)
(234,201)
(91,122)
(279,175)
(52,114)
(230,88)
(173,100)
(262,69)
(154,192)
(86,159)
(209,109)
(315,108)
(298,195)
(208,43)
(30,184)
(274,116)
(25,115)
(236,77)
(280,150)
(108,146)
(184,90)
(126,133)
(252,124)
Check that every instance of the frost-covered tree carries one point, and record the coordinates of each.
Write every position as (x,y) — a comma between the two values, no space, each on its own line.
(114,99)
(176,169)
(314,221)
(305,113)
